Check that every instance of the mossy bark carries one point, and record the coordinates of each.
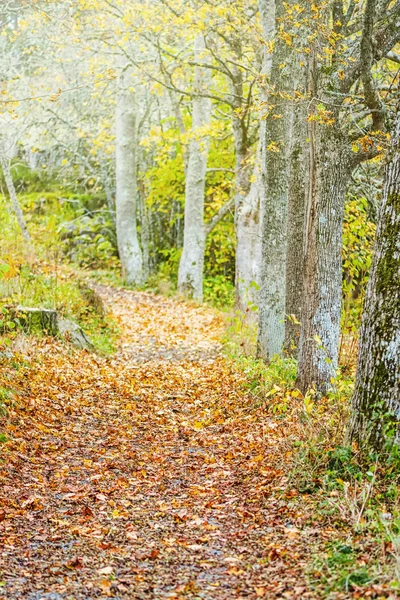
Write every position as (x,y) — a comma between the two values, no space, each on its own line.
(376,402)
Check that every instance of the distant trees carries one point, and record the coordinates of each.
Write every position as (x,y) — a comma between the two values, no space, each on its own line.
(376,403)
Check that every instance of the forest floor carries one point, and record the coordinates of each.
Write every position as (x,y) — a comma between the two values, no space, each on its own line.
(148,473)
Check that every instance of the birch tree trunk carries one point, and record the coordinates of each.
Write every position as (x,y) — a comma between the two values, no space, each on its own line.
(5,165)
(271,333)
(376,402)
(322,292)
(126,181)
(190,276)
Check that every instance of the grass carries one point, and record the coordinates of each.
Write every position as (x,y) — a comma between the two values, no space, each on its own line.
(356,495)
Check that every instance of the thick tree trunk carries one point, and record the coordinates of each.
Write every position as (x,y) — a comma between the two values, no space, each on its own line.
(376,402)
(248,255)
(5,164)
(295,235)
(126,182)
(190,276)
(276,142)
(322,290)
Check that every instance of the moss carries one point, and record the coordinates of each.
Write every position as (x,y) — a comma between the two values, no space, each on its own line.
(388,268)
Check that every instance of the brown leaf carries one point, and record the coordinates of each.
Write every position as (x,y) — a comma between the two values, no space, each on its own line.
(260,591)
(87,511)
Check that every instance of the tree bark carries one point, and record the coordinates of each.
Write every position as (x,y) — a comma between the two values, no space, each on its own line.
(271,333)
(295,232)
(376,403)
(126,182)
(322,290)
(249,194)
(5,164)
(190,276)
(248,254)
(242,188)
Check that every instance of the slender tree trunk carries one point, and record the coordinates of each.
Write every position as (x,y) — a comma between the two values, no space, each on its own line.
(276,142)
(126,182)
(6,166)
(190,276)
(248,253)
(295,235)
(376,402)
(242,189)
(249,202)
(144,234)
(109,194)
(322,291)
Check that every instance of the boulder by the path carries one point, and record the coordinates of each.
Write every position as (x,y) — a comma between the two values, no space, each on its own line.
(74,334)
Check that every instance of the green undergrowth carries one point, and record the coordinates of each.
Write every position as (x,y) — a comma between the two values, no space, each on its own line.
(42,285)
(354,495)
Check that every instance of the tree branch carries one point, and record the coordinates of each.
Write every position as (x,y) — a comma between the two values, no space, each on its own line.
(223,211)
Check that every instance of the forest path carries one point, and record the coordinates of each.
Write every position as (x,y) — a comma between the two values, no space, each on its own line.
(148,474)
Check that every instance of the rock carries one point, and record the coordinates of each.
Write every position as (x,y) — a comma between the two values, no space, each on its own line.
(74,334)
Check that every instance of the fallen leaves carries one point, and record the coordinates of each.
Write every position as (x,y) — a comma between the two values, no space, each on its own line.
(146,474)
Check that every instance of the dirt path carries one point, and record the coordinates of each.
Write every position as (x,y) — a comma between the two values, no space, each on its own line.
(148,474)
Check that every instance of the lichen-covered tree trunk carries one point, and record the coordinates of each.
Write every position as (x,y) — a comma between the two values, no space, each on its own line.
(295,231)
(322,290)
(276,142)
(190,276)
(376,402)
(126,179)
(248,255)
(5,164)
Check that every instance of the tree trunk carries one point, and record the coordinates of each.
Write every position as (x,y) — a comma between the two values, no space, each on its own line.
(295,234)
(249,202)
(126,182)
(271,333)
(144,234)
(190,276)
(322,291)
(376,402)
(248,253)
(5,164)
(242,188)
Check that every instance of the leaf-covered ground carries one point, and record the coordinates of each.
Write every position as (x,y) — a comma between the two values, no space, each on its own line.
(148,474)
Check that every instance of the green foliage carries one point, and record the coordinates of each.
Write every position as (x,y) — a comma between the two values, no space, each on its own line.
(219,291)
(27,179)
(273,384)
(53,287)
(164,189)
(358,239)
(337,570)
